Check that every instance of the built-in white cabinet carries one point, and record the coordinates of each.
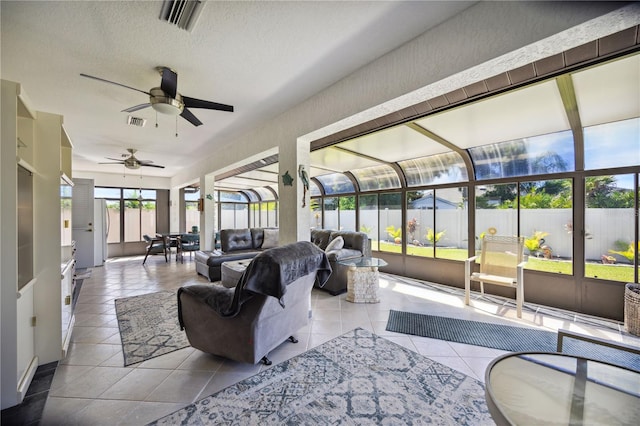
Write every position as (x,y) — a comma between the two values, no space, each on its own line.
(67,287)
(33,280)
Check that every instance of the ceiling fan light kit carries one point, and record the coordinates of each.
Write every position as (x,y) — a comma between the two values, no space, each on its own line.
(164,104)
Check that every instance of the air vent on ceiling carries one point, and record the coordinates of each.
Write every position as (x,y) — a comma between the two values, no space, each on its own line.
(136,121)
(182,13)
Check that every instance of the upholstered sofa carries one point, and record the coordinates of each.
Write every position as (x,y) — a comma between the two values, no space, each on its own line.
(271,302)
(239,244)
(354,244)
(235,244)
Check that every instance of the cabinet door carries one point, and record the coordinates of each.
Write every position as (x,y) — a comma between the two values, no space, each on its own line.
(25,340)
(82,221)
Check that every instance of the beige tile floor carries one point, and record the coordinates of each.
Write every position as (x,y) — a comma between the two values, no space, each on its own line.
(91,386)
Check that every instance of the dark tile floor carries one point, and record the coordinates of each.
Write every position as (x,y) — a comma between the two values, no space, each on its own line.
(30,411)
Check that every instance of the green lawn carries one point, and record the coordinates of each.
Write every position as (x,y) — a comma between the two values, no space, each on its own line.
(623,273)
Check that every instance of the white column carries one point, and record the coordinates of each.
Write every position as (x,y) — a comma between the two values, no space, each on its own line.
(293,217)
(208,217)
(175,206)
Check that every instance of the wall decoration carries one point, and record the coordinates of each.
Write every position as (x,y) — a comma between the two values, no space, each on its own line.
(287,180)
(304,177)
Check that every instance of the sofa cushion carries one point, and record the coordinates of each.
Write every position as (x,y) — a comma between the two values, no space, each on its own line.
(270,238)
(236,239)
(257,237)
(335,244)
(320,237)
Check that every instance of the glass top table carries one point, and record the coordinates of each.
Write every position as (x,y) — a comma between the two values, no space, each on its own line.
(553,388)
(363,262)
(362,279)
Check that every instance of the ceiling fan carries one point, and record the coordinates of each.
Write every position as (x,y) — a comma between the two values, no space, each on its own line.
(131,162)
(166,99)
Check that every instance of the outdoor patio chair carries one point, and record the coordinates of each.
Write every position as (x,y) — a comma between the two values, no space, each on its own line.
(501,263)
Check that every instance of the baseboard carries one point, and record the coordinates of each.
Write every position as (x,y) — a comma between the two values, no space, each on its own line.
(27,377)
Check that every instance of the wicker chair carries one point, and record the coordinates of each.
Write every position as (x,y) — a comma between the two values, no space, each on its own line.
(501,263)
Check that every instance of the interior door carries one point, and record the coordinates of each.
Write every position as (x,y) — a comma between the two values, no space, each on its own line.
(82,220)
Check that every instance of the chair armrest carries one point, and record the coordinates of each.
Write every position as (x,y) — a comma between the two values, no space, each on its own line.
(471,259)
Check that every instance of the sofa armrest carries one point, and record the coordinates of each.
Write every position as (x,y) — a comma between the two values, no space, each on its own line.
(335,255)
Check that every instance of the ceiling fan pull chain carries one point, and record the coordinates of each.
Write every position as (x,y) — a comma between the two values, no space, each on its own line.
(176,126)
(156,119)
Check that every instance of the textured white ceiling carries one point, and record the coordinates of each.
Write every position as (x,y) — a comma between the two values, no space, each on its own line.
(262,57)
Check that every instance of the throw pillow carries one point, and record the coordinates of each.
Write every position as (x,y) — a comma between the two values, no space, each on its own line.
(270,238)
(336,244)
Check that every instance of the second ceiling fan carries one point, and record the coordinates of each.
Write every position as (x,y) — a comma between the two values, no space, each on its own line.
(166,99)
(130,161)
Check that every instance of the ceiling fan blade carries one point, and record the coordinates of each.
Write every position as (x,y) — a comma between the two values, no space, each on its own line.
(169,84)
(136,108)
(188,115)
(113,82)
(114,159)
(198,103)
(152,165)
(119,162)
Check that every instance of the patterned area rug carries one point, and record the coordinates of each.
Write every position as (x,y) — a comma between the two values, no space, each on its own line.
(505,337)
(357,378)
(149,326)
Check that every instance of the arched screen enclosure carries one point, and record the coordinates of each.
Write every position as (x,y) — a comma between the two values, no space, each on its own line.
(555,160)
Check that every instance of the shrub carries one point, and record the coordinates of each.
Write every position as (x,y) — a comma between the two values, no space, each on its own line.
(629,253)
(434,237)
(394,233)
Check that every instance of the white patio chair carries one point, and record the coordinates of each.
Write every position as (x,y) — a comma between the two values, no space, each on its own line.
(501,263)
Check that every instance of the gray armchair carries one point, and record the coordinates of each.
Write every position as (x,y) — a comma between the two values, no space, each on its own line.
(270,303)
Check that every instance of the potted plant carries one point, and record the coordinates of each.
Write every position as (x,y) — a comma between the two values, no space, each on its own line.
(533,242)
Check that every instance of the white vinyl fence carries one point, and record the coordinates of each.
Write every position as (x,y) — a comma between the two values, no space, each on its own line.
(603,226)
